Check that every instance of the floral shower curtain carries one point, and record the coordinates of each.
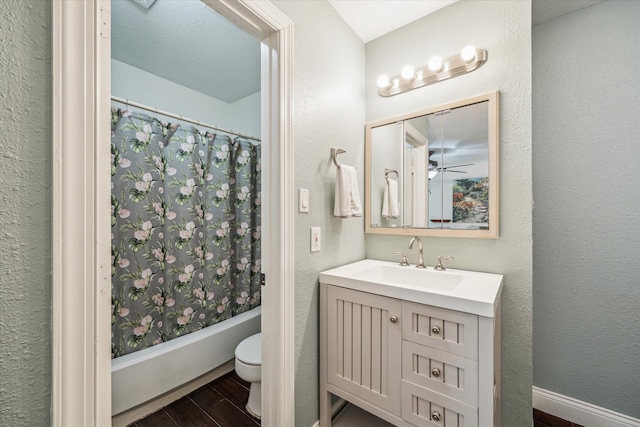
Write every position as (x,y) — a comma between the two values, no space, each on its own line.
(185,207)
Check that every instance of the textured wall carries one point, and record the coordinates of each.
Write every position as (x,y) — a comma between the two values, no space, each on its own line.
(586,162)
(328,112)
(137,85)
(25,212)
(504,29)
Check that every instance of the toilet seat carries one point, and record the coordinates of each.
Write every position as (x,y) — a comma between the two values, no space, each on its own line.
(249,351)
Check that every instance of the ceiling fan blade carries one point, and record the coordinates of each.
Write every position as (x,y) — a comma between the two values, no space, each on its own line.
(458,166)
(447,170)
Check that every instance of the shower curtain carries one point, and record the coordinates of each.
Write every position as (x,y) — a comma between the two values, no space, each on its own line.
(185,221)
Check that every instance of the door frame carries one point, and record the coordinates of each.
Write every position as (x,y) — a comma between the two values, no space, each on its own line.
(81,250)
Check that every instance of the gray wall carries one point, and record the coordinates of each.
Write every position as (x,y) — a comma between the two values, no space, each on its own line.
(586,161)
(25,212)
(504,29)
(328,90)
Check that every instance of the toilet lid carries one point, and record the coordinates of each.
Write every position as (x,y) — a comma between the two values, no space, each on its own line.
(249,351)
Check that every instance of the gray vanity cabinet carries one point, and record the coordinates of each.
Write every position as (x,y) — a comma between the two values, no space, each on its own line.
(410,364)
(363,357)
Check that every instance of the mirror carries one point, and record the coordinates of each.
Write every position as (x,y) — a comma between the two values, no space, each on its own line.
(435,172)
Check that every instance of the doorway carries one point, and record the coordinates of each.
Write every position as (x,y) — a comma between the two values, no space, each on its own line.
(81,56)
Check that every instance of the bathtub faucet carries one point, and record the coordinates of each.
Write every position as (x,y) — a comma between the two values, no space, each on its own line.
(420,253)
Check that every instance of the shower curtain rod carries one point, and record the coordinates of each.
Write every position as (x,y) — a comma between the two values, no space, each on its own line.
(176,116)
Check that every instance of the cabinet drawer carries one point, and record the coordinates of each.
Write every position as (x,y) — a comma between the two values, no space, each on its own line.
(446,330)
(426,408)
(448,374)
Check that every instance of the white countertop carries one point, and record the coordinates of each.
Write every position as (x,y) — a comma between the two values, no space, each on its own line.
(461,290)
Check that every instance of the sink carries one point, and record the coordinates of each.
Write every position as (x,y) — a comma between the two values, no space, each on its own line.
(468,291)
(411,276)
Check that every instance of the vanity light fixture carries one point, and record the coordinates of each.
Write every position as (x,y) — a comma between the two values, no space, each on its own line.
(437,70)
(408,73)
(435,64)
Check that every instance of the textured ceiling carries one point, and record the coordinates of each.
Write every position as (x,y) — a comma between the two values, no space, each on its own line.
(546,10)
(186,42)
(372,19)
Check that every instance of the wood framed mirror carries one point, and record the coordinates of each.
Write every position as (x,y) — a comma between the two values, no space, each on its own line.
(434,172)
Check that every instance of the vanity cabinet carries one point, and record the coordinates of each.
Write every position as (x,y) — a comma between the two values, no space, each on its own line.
(411,364)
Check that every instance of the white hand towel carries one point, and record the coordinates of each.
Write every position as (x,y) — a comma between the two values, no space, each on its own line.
(347,198)
(390,198)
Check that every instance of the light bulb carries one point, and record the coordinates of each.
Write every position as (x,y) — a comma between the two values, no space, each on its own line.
(383,81)
(468,53)
(435,64)
(408,73)
(433,173)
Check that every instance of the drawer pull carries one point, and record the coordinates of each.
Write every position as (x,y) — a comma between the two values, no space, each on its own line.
(435,416)
(435,372)
(393,319)
(435,330)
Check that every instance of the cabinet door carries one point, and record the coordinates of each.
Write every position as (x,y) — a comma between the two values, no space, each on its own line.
(363,346)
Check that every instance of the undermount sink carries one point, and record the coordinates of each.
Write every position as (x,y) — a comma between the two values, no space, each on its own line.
(467,291)
(412,276)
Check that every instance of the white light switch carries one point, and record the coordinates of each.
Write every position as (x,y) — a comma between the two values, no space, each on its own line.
(303,200)
(315,239)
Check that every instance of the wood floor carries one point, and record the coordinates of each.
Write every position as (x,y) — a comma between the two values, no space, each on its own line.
(541,419)
(220,403)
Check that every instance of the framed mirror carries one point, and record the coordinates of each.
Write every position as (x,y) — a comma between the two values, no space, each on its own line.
(434,172)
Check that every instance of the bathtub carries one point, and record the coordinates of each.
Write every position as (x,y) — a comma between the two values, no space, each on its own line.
(146,374)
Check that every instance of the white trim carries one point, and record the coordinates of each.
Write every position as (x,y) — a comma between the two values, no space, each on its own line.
(579,412)
(278,345)
(266,22)
(81,393)
(81,236)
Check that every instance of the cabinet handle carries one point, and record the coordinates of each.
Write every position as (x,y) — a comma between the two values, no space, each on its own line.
(393,319)
(435,330)
(435,416)
(435,372)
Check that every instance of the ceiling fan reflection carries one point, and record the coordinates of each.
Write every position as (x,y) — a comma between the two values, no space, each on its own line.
(449,168)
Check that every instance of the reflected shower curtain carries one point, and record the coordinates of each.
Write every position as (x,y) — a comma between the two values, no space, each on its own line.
(185,207)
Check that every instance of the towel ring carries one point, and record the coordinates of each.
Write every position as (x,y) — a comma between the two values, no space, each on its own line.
(388,171)
(334,155)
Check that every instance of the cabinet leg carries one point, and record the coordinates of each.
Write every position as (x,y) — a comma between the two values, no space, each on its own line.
(325,408)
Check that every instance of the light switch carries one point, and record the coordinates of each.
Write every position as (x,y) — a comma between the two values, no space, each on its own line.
(303,200)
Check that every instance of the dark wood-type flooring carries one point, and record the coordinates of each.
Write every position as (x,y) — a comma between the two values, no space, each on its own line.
(221,403)
(542,419)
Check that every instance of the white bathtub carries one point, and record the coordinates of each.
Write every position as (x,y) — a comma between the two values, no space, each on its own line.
(146,374)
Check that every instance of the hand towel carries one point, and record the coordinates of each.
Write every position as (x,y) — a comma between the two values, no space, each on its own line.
(390,205)
(347,198)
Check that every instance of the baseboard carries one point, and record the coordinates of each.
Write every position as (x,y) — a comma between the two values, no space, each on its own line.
(134,414)
(335,408)
(579,412)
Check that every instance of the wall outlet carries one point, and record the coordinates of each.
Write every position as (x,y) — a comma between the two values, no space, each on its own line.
(316,239)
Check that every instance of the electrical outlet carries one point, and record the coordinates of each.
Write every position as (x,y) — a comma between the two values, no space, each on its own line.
(316,239)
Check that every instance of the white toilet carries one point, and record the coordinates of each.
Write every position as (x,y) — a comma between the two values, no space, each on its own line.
(249,368)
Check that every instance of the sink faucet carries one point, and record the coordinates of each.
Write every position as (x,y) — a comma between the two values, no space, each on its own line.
(420,254)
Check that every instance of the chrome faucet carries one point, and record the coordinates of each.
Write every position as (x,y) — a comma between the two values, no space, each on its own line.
(420,254)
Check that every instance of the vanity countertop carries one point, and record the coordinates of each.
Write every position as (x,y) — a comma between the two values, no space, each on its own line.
(461,290)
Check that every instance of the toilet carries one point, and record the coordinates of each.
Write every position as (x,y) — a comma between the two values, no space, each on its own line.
(249,368)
